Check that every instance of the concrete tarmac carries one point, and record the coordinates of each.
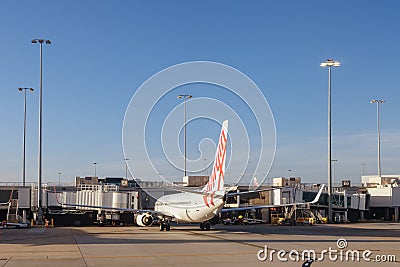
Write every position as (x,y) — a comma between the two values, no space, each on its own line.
(186,245)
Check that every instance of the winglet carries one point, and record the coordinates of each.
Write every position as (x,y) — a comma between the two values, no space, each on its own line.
(318,195)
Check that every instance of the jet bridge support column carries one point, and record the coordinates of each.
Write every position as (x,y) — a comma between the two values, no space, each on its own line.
(265,215)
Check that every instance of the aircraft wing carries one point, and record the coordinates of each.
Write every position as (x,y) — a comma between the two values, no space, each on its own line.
(315,200)
(153,212)
(201,192)
(252,191)
(98,207)
(197,190)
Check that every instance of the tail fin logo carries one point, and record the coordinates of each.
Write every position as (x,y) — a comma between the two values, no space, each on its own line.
(216,181)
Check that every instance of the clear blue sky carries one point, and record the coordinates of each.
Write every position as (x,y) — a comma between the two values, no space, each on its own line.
(103,51)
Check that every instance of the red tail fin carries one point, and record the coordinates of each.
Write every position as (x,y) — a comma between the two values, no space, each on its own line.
(215,184)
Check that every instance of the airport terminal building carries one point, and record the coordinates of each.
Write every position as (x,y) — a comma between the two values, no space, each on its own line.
(376,199)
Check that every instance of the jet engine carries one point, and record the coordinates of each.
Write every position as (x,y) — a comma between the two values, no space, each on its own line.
(144,219)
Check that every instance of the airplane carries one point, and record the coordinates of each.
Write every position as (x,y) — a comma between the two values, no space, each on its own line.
(198,206)
(193,206)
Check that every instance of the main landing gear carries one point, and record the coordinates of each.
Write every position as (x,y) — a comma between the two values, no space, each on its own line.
(164,225)
(205,226)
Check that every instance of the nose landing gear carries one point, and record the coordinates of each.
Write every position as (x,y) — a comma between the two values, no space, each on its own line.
(164,225)
(205,226)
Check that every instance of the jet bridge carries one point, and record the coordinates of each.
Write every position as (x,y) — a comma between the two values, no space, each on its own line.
(101,198)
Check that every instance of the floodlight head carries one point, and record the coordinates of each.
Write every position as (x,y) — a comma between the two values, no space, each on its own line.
(330,63)
(379,101)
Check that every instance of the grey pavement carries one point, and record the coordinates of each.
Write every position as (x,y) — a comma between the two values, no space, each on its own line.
(185,245)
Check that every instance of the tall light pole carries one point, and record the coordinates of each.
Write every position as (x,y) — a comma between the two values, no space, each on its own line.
(378,103)
(126,169)
(184,126)
(94,164)
(333,170)
(329,63)
(24,89)
(40,211)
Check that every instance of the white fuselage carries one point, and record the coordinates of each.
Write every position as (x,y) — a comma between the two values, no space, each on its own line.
(188,207)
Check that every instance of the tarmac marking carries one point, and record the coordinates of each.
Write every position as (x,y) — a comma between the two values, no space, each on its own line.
(79,248)
(7,260)
(35,251)
(33,237)
(176,255)
(139,256)
(258,246)
(221,238)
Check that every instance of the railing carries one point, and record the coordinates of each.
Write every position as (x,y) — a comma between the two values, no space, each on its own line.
(34,184)
(103,188)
